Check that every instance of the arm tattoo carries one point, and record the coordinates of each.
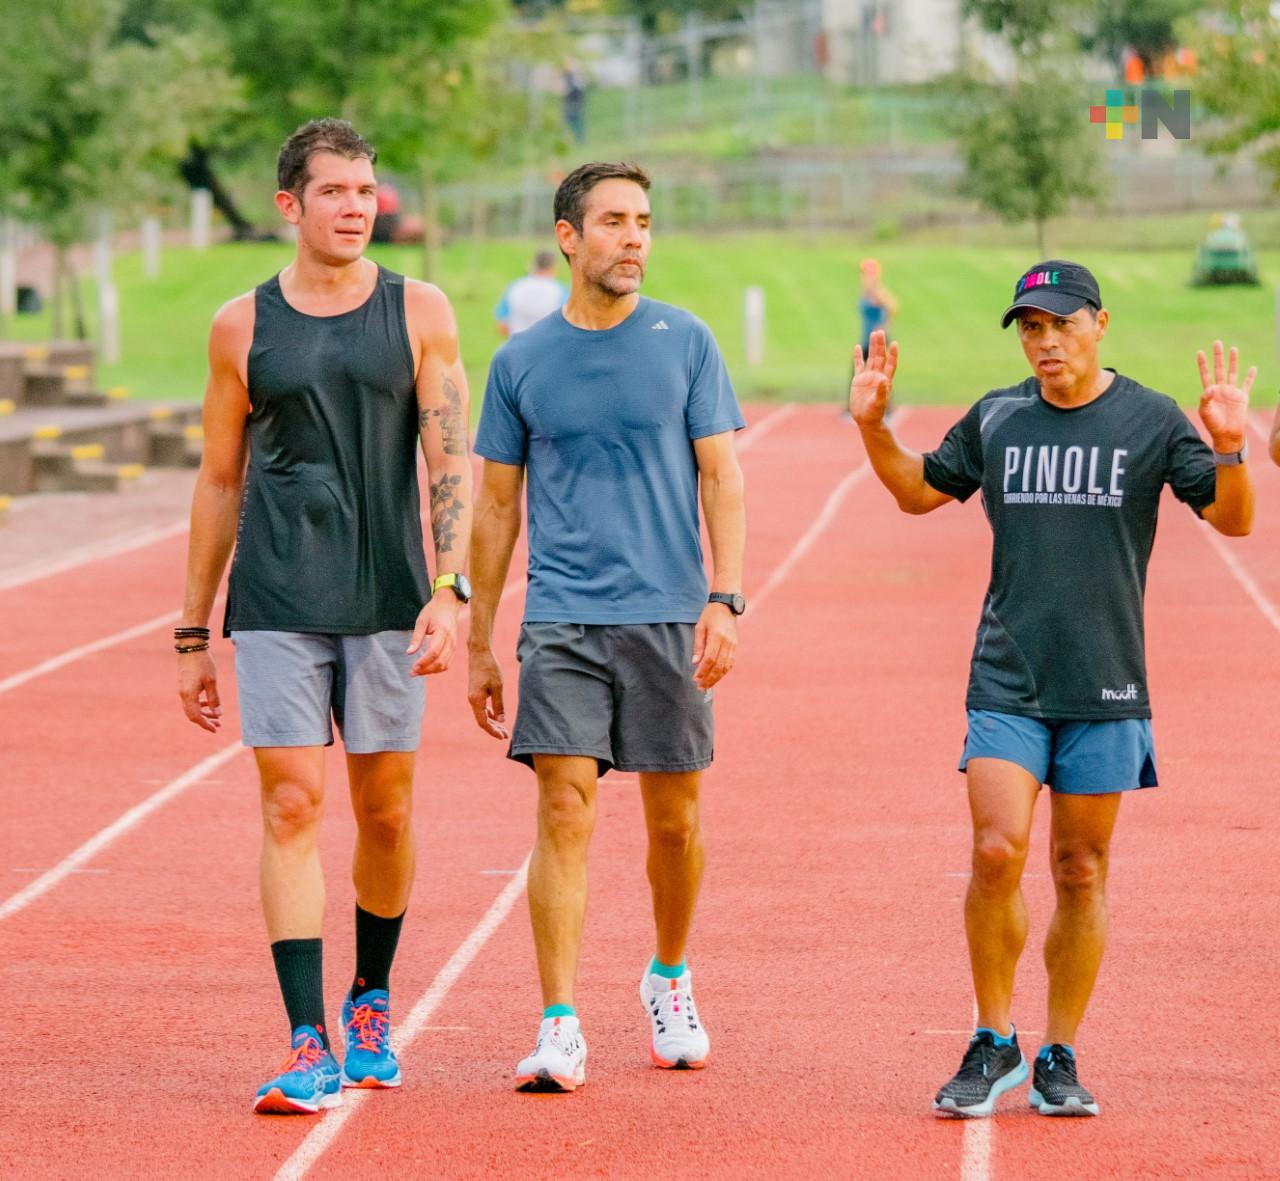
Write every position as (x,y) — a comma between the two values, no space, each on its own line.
(446,508)
(453,424)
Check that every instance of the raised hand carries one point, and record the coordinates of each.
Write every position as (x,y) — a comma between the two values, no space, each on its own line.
(1224,405)
(872,379)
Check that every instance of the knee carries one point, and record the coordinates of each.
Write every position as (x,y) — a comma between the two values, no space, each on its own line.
(566,813)
(291,810)
(1079,871)
(386,821)
(997,861)
(674,827)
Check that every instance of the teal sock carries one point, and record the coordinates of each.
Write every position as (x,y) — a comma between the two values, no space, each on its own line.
(658,968)
(1000,1039)
(559,1011)
(1044,1051)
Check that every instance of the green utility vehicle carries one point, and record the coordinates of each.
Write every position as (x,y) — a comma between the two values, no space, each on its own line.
(1224,256)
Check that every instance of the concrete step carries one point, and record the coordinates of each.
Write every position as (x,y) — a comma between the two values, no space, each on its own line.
(5,502)
(96,475)
(93,397)
(174,445)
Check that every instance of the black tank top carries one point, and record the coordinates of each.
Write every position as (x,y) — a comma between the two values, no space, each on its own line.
(330,533)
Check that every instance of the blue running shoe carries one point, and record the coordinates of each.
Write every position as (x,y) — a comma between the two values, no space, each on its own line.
(366,1024)
(309,1079)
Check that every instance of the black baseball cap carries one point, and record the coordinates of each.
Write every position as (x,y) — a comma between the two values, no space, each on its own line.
(1054,286)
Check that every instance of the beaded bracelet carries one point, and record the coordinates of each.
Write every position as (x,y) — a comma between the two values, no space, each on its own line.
(203,647)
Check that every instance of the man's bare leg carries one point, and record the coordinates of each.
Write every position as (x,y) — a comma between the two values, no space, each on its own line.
(558,869)
(676,856)
(1080,839)
(385,853)
(1002,797)
(292,780)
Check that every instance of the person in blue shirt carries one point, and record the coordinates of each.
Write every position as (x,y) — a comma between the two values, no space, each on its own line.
(876,304)
(618,411)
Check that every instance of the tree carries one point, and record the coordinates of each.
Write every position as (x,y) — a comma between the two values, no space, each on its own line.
(91,122)
(1148,27)
(1027,148)
(1023,23)
(1238,50)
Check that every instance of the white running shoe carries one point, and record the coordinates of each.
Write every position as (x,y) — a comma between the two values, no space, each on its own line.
(558,1062)
(679,1040)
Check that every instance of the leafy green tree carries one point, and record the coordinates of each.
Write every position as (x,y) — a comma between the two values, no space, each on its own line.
(1027,148)
(1148,27)
(93,122)
(1238,80)
(1023,23)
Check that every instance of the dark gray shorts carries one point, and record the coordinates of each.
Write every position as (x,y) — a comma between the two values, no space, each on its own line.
(620,693)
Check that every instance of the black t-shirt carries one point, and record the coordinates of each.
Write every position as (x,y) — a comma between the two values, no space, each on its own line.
(1072,498)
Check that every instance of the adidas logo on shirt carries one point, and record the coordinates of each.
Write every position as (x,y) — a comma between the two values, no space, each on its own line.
(660,326)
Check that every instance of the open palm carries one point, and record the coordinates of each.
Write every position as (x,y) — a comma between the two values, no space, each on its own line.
(872,379)
(1224,405)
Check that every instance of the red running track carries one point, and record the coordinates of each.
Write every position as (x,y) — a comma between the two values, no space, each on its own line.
(828,947)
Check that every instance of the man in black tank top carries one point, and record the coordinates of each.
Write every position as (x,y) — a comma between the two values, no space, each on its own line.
(322,382)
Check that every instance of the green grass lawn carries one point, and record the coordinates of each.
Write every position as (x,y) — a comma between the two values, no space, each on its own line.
(952,287)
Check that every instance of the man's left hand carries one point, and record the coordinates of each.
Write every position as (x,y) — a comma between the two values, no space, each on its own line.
(1224,405)
(715,644)
(436,633)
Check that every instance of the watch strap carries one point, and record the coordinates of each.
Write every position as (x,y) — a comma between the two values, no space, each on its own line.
(1232,458)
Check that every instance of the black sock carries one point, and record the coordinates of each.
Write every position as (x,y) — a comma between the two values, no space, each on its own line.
(376,940)
(298,967)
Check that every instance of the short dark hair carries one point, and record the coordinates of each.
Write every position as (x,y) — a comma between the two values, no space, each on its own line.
(319,135)
(544,260)
(571,196)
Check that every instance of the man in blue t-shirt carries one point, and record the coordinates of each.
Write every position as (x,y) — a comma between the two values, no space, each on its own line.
(619,411)
(1071,464)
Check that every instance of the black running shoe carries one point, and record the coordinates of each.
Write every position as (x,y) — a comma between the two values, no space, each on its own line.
(987,1072)
(1055,1090)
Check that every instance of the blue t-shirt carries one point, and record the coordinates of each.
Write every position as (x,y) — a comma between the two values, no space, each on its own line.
(603,423)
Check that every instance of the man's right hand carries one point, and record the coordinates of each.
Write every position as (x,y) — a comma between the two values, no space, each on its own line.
(198,688)
(484,692)
(872,380)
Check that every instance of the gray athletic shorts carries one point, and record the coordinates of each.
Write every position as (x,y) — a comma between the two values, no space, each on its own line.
(621,693)
(290,683)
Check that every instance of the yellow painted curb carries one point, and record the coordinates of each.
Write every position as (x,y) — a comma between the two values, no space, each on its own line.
(193,432)
(130,471)
(36,352)
(88,451)
(76,372)
(6,406)
(47,432)
(117,393)
(160,412)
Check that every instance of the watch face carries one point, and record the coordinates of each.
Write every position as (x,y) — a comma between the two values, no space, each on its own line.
(739,604)
(463,588)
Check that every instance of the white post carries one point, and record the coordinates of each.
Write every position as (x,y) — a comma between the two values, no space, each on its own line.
(102,248)
(151,246)
(109,321)
(753,312)
(8,268)
(201,212)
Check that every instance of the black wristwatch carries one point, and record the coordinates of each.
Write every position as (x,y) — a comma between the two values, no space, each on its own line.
(736,603)
(455,582)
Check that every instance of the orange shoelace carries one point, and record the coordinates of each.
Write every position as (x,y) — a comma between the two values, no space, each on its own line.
(304,1058)
(369,1027)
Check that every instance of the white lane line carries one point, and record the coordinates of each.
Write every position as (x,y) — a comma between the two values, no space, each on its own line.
(1243,577)
(782,572)
(110,547)
(316,1141)
(109,835)
(56,662)
(327,1130)
(752,435)
(977,1140)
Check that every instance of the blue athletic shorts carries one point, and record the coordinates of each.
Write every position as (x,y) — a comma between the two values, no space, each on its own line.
(1077,758)
(291,683)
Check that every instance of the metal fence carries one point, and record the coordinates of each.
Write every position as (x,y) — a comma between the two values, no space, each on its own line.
(873,192)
